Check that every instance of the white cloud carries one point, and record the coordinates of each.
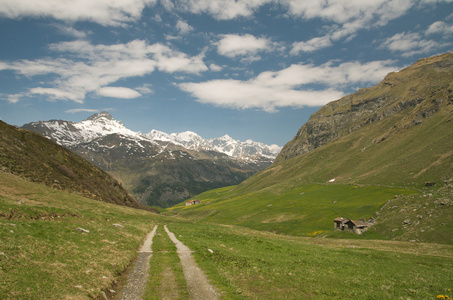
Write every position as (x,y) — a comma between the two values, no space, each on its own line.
(118,92)
(409,44)
(349,17)
(97,66)
(221,9)
(71,31)
(183,27)
(215,68)
(311,45)
(288,87)
(104,12)
(145,89)
(244,95)
(440,28)
(378,12)
(232,45)
(77,110)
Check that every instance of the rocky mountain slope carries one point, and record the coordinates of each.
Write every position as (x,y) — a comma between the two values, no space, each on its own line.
(418,91)
(35,158)
(159,168)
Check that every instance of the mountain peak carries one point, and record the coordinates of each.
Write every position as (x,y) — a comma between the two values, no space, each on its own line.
(100,115)
(226,137)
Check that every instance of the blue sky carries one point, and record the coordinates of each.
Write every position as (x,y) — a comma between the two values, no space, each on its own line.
(253,69)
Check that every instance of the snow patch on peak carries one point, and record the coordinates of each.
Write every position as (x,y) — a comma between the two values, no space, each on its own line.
(101,115)
(186,136)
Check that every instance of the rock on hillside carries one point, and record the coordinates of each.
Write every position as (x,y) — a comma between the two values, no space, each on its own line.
(418,91)
(38,159)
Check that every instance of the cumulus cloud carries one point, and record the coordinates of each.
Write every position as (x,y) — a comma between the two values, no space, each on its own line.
(104,12)
(288,87)
(349,16)
(95,67)
(440,28)
(215,68)
(183,27)
(232,45)
(118,92)
(221,9)
(311,45)
(380,12)
(413,43)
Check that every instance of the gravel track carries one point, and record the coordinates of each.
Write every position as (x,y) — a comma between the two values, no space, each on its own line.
(197,282)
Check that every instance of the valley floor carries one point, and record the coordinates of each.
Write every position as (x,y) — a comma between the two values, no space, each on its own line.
(45,254)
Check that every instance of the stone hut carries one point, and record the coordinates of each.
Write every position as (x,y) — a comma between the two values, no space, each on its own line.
(356,226)
(339,223)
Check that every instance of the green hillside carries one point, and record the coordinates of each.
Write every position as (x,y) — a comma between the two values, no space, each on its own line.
(43,255)
(378,169)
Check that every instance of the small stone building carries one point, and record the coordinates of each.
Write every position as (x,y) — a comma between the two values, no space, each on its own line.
(339,223)
(192,202)
(356,226)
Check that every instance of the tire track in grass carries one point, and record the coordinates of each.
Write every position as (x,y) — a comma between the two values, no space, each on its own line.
(166,279)
(197,282)
(137,277)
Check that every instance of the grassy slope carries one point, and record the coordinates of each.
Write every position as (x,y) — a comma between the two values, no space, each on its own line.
(367,174)
(42,256)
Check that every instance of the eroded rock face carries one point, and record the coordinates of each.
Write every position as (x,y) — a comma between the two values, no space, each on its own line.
(418,92)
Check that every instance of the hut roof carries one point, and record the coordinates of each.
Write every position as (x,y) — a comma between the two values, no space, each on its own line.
(359,223)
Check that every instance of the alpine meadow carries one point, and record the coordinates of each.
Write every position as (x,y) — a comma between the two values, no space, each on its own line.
(226,149)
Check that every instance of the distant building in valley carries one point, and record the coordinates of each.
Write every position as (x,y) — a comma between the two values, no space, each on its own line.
(192,202)
(356,226)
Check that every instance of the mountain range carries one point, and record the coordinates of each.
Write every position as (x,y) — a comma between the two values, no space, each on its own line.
(159,168)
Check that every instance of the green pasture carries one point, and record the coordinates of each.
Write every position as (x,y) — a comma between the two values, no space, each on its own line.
(307,210)
(248,264)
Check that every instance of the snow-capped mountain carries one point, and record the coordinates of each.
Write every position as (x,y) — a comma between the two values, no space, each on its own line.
(225,144)
(159,168)
(70,134)
(67,133)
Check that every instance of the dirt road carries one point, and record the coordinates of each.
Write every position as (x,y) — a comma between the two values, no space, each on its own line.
(197,282)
